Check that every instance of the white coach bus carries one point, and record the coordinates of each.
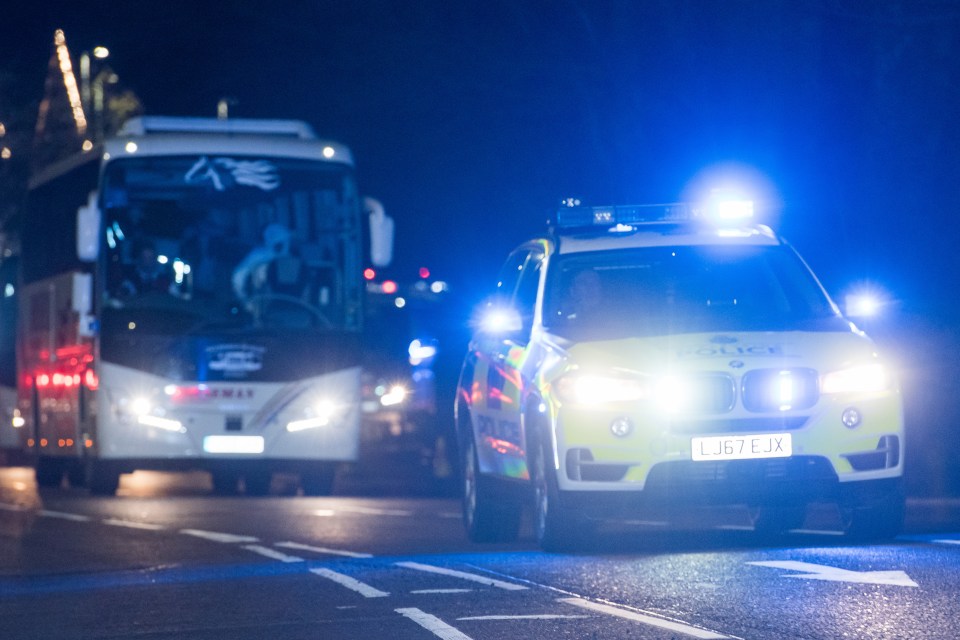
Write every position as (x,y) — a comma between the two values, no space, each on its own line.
(192,299)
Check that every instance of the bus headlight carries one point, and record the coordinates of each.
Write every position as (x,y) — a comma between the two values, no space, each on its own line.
(143,410)
(318,414)
(140,406)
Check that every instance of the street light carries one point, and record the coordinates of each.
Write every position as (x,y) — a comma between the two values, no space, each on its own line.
(91,88)
(5,152)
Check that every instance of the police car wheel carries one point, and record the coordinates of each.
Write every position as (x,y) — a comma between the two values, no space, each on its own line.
(770,520)
(488,517)
(874,521)
(556,528)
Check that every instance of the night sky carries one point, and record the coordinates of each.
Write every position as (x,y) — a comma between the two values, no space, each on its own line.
(471,120)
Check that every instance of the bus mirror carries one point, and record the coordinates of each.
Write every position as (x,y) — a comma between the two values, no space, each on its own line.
(82,303)
(381,233)
(88,230)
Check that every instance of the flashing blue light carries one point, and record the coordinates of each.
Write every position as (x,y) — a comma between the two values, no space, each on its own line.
(734,209)
(721,208)
(862,305)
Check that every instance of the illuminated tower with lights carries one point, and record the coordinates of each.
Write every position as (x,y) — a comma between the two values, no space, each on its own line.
(75,114)
(62,125)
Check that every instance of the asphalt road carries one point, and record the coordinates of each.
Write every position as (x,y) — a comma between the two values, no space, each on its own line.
(166,559)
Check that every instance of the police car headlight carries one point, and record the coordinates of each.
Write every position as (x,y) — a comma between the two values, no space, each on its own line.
(590,389)
(868,378)
(673,394)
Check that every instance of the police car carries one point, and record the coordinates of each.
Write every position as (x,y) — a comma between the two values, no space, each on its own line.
(671,355)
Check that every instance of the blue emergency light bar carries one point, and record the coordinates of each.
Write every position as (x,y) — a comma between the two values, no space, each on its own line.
(721,211)
(603,217)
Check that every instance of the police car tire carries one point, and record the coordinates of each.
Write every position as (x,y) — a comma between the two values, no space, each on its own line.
(557,528)
(774,521)
(488,515)
(874,521)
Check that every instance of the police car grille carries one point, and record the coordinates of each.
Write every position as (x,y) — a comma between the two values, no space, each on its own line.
(766,390)
(713,393)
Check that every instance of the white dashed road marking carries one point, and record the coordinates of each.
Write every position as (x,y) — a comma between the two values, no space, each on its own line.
(130,524)
(367,511)
(463,575)
(350,583)
(272,553)
(215,536)
(6,506)
(433,624)
(670,625)
(334,552)
(65,516)
(535,616)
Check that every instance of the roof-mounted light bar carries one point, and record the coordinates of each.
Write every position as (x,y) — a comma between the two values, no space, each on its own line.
(607,217)
(717,210)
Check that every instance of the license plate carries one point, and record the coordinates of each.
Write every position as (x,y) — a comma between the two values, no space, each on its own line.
(767,445)
(233,444)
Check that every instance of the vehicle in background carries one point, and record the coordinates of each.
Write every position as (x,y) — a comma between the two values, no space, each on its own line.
(192,299)
(408,385)
(9,435)
(672,355)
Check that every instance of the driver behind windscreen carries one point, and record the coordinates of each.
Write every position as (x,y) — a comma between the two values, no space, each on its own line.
(146,274)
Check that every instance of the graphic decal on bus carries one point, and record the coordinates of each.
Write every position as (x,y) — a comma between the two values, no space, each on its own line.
(236,359)
(225,173)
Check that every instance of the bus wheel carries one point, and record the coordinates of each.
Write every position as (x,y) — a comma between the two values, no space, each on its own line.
(103,479)
(318,481)
(77,474)
(224,482)
(49,472)
(257,483)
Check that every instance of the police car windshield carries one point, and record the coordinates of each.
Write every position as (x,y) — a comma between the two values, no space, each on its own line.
(687,289)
